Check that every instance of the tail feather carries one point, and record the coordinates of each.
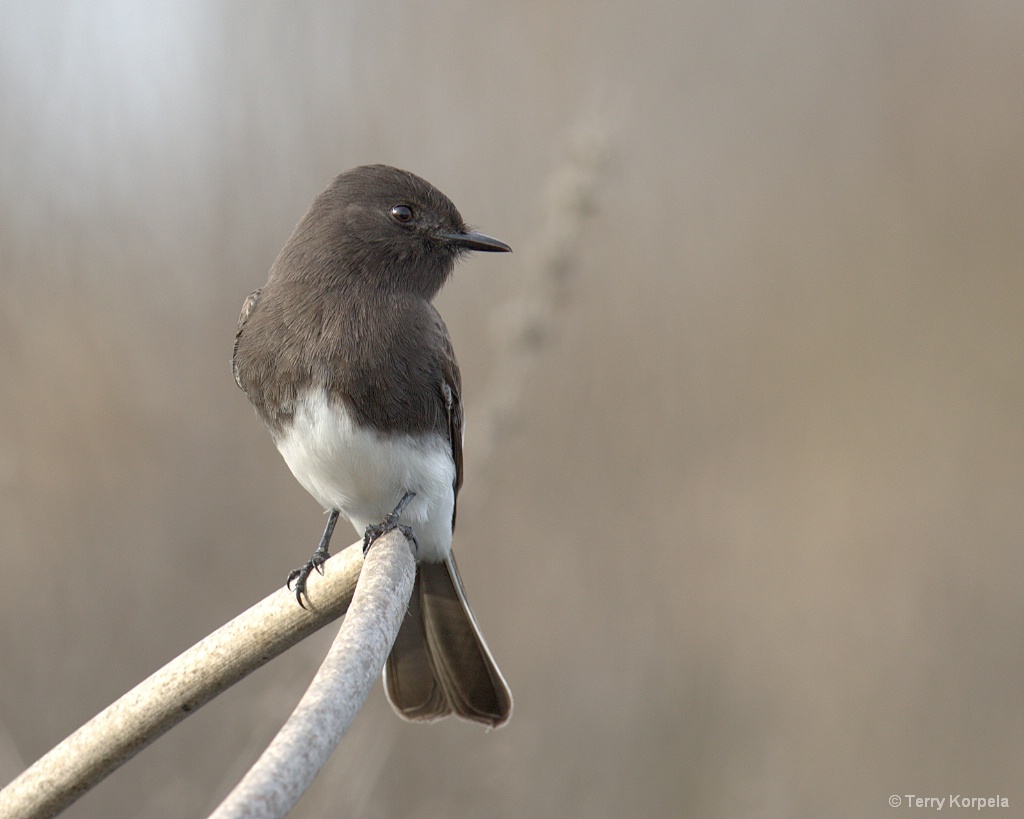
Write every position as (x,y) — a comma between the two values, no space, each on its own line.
(440,664)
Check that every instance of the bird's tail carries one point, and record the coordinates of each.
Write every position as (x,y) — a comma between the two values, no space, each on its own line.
(440,664)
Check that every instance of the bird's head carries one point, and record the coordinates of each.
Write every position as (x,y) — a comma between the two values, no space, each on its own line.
(383,226)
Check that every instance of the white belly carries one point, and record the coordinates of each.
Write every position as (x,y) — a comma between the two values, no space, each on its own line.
(364,474)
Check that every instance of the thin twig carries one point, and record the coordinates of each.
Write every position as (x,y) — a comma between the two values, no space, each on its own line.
(189,681)
(524,326)
(346,677)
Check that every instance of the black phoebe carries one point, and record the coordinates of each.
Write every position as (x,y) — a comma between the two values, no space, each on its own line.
(352,369)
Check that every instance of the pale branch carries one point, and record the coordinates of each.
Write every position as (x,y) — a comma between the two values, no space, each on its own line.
(307,740)
(189,681)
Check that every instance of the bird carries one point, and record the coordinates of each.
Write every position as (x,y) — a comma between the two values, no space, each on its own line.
(351,368)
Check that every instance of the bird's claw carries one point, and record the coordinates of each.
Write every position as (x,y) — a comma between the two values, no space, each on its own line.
(378,530)
(300,575)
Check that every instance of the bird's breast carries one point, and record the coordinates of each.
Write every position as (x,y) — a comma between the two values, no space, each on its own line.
(364,472)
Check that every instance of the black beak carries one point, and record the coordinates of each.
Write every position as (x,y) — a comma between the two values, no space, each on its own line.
(477,241)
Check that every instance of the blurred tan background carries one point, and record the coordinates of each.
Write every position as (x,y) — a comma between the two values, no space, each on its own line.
(749,543)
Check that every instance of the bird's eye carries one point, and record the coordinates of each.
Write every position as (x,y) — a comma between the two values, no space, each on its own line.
(402,213)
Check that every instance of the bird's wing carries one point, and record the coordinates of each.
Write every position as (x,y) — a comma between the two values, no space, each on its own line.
(451,391)
(243,317)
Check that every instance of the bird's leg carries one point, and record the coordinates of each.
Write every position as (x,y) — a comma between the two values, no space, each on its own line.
(390,522)
(301,575)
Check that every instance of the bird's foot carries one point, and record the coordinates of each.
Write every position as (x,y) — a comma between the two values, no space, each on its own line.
(390,522)
(378,530)
(300,575)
